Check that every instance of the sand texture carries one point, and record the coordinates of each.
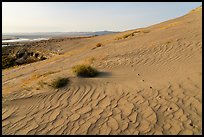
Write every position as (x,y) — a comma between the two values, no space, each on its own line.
(150,82)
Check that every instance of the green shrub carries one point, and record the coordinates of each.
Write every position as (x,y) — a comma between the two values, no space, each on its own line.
(84,71)
(60,82)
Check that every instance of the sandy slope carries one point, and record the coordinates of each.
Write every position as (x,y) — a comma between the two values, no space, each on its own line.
(150,83)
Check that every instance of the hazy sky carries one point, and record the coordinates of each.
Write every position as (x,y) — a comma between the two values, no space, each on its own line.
(88,16)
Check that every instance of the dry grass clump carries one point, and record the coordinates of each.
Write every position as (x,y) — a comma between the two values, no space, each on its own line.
(98,45)
(128,35)
(146,31)
(60,82)
(84,71)
(41,83)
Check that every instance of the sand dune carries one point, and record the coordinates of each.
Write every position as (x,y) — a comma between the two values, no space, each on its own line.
(149,83)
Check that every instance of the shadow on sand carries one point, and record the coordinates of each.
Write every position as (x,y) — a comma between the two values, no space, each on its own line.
(99,75)
(103,74)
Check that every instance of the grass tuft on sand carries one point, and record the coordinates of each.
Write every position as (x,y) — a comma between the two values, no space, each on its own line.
(60,82)
(84,71)
(98,45)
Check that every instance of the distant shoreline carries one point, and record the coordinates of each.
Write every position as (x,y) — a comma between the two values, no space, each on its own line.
(16,38)
(34,50)
(22,40)
(9,38)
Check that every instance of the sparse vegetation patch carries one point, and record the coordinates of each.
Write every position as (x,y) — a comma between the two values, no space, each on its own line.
(98,45)
(8,62)
(60,82)
(84,71)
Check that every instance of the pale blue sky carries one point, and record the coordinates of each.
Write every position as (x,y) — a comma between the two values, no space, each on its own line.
(88,16)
